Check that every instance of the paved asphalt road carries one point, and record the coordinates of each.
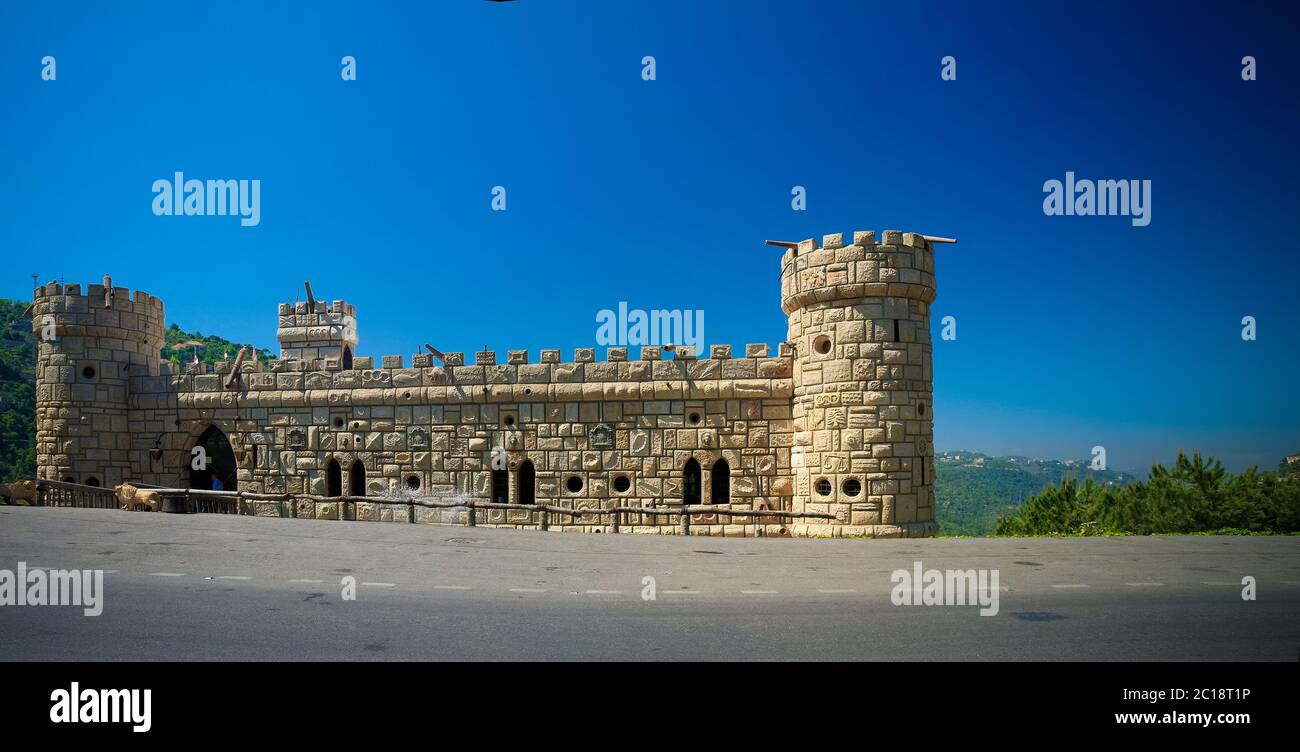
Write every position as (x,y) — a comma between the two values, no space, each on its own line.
(216,587)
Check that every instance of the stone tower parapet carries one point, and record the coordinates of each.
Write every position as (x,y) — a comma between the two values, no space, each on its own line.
(317,330)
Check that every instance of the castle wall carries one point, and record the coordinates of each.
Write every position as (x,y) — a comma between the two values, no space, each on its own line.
(837,422)
(594,421)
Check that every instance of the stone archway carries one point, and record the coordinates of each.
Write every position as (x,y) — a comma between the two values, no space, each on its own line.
(215,466)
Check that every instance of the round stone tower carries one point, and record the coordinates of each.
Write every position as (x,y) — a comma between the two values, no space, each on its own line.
(859,318)
(89,348)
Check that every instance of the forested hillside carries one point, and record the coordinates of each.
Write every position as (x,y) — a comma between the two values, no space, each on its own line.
(17,393)
(973,490)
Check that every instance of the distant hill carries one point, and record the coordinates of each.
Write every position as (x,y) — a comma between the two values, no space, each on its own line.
(18,381)
(972,489)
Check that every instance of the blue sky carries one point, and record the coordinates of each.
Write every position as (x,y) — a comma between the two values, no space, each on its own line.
(1072,331)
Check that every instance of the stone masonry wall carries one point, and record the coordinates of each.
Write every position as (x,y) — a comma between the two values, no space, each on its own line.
(435,428)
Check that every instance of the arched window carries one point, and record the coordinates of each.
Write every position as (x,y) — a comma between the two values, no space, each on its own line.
(357,481)
(527,483)
(691,482)
(500,487)
(333,479)
(347,357)
(720,483)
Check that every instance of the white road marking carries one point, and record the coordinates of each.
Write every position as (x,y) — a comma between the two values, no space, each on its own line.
(451,587)
(312,582)
(834,592)
(1071,585)
(1224,584)
(1145,584)
(527,590)
(1290,582)
(167,574)
(233,577)
(604,592)
(1004,588)
(758,592)
(380,584)
(682,592)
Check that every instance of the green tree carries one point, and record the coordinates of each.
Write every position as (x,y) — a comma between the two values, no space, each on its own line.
(1195,495)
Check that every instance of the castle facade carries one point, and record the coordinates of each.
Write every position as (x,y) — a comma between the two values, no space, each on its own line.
(837,421)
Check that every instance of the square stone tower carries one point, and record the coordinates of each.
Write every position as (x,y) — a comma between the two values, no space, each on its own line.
(318,330)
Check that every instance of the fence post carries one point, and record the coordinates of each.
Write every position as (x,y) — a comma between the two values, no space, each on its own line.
(686,522)
(410,512)
(546,520)
(469,510)
(613,528)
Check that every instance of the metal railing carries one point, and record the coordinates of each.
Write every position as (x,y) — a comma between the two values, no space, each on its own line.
(194,500)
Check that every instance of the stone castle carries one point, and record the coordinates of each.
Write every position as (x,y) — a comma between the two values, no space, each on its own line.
(837,421)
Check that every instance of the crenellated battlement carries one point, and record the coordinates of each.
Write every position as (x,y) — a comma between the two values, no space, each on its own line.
(485,358)
(324,382)
(321,307)
(899,265)
(70,298)
(92,324)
